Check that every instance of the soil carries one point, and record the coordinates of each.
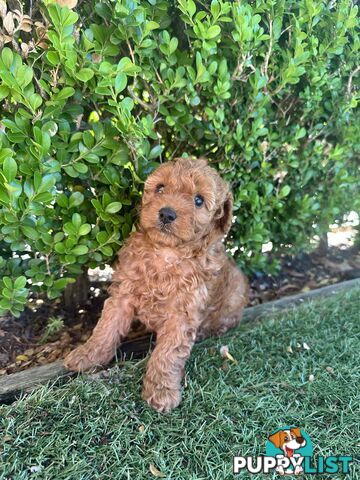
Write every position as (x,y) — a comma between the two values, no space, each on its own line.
(24,342)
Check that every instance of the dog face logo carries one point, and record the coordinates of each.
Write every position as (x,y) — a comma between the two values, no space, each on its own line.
(288,440)
(185,201)
(289,445)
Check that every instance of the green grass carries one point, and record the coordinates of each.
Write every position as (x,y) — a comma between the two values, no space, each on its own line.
(92,428)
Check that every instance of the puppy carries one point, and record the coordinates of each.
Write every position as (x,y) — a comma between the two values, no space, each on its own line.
(174,276)
(288,441)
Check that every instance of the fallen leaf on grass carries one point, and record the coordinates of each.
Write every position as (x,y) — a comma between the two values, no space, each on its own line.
(306,346)
(35,468)
(22,358)
(311,378)
(156,472)
(141,428)
(224,352)
(330,369)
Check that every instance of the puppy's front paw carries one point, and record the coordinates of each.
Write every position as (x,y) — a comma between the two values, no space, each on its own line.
(79,359)
(161,399)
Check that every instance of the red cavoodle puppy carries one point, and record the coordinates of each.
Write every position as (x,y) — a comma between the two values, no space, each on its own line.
(174,276)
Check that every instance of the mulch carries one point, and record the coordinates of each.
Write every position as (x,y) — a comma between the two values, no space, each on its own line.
(24,343)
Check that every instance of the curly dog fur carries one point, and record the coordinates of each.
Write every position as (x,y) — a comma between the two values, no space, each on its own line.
(174,276)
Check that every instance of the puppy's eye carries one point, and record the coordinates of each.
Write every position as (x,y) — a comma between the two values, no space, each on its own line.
(286,439)
(199,201)
(159,188)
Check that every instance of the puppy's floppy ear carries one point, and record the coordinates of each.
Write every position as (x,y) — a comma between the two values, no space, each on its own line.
(223,216)
(296,432)
(276,439)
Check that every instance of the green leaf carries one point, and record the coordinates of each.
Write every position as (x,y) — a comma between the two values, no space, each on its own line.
(120,82)
(4,92)
(213,31)
(59,248)
(191,7)
(24,75)
(113,207)
(76,220)
(102,237)
(29,232)
(151,25)
(61,283)
(58,237)
(4,153)
(62,200)
(10,169)
(76,199)
(155,152)
(65,93)
(8,282)
(85,74)
(80,167)
(44,197)
(80,250)
(7,57)
(47,182)
(85,229)
(20,282)
(28,188)
(173,45)
(53,57)
(106,250)
(35,101)
(126,66)
(284,192)
(50,128)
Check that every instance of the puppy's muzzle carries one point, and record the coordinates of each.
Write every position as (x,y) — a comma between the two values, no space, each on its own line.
(167,215)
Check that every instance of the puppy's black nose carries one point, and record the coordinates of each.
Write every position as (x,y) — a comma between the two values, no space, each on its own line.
(167,215)
(299,440)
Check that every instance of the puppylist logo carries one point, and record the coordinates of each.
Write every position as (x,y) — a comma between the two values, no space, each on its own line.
(289,451)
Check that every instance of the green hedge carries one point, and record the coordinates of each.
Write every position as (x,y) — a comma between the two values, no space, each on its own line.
(92,99)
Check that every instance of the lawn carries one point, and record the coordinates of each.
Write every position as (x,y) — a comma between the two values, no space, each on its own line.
(99,428)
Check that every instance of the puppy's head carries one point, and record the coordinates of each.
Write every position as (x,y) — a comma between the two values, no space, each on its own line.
(185,201)
(288,440)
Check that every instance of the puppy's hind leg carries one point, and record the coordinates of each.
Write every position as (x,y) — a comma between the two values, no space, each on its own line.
(228,307)
(113,325)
